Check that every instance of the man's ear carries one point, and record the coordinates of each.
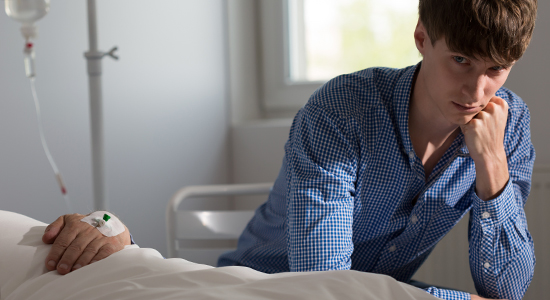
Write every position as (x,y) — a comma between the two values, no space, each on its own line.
(421,37)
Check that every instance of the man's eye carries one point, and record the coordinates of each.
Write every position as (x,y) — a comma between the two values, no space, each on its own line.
(460,59)
(497,68)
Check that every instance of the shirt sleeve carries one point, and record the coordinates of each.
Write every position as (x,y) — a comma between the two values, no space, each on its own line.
(502,257)
(321,176)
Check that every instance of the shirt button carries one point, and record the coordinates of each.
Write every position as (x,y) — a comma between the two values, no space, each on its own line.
(485,215)
(411,155)
(487,265)
(392,248)
(414,219)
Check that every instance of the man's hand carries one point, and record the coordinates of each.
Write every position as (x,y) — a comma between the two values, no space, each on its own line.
(475,297)
(484,136)
(77,244)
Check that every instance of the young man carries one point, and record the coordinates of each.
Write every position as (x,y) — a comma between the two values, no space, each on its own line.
(382,163)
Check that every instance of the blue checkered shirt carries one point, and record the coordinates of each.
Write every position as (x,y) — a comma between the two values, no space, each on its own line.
(344,196)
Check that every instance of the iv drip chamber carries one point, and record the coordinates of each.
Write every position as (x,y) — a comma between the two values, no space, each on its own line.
(27,12)
(29,60)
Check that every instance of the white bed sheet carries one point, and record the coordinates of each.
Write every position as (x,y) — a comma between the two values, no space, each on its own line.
(139,273)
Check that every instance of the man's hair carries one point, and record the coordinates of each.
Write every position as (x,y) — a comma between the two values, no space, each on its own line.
(496,29)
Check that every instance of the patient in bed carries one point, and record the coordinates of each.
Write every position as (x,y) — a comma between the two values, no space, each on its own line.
(142,274)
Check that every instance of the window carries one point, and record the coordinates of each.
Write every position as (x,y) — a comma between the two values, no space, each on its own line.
(332,37)
(304,43)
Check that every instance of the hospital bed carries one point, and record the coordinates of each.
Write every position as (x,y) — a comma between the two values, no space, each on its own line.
(138,273)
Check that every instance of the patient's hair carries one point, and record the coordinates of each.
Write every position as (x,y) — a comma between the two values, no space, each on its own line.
(496,29)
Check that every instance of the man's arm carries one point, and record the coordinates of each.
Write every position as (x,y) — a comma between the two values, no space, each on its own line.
(321,175)
(484,136)
(77,244)
(476,297)
(454,295)
(501,249)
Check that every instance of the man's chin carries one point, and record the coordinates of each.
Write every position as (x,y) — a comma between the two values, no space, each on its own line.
(463,120)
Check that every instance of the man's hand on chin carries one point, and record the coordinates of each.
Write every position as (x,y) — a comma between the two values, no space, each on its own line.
(484,137)
(77,244)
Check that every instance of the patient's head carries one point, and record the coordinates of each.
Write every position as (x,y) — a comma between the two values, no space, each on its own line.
(496,29)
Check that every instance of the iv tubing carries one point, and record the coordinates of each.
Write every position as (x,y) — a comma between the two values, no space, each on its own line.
(47,150)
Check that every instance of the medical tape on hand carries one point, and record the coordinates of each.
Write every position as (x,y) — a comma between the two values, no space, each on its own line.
(108,224)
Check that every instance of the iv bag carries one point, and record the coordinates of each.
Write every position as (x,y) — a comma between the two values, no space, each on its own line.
(27,11)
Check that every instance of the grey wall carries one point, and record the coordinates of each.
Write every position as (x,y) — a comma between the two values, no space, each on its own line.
(164,104)
(530,79)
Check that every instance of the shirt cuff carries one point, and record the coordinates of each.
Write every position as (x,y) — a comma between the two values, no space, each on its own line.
(496,211)
(448,294)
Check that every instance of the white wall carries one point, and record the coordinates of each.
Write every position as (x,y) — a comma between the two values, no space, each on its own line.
(165,109)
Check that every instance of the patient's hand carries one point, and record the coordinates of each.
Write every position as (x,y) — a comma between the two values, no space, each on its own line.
(77,244)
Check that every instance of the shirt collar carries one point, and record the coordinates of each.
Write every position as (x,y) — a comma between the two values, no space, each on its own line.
(401,100)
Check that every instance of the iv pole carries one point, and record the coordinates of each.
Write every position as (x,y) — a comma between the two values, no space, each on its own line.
(94,57)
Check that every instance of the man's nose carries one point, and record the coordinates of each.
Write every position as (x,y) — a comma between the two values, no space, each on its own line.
(475,88)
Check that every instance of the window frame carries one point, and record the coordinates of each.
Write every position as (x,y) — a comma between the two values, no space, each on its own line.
(278,93)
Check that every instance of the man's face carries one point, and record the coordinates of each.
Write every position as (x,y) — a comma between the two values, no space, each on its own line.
(456,87)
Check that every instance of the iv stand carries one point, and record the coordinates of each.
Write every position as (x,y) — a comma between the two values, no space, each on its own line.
(94,57)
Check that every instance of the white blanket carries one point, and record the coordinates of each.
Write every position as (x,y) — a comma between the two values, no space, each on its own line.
(138,273)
